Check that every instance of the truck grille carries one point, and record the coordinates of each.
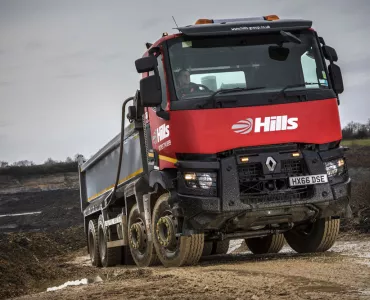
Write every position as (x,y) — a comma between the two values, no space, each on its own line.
(258,188)
(249,171)
(292,166)
(297,194)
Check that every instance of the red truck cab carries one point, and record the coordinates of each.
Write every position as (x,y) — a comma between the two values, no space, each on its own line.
(243,122)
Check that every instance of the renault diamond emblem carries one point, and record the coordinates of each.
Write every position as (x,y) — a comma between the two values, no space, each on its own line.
(270,163)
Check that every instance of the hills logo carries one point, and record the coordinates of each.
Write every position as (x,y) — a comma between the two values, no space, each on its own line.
(274,123)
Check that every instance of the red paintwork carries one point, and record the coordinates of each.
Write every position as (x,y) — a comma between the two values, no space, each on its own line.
(209,130)
(156,122)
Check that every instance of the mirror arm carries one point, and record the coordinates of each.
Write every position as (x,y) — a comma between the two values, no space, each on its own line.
(321,40)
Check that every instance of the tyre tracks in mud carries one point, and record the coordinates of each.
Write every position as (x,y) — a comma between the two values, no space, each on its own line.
(343,273)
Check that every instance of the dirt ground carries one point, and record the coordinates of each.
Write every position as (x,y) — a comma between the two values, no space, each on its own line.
(341,273)
(46,250)
(59,209)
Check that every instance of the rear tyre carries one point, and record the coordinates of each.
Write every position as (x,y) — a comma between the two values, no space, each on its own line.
(93,243)
(267,244)
(109,256)
(172,250)
(221,247)
(207,249)
(142,251)
(318,236)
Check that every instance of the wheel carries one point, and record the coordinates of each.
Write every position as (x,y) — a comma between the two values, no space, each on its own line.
(221,247)
(172,250)
(196,249)
(267,244)
(318,236)
(142,251)
(109,256)
(93,243)
(207,249)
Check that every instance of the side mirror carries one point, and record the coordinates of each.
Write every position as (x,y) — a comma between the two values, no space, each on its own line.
(146,64)
(336,78)
(330,53)
(278,53)
(150,91)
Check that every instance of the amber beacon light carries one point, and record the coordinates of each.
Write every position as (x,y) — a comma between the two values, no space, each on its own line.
(223,21)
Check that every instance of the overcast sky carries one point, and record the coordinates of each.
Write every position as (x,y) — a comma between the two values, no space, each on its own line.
(66,66)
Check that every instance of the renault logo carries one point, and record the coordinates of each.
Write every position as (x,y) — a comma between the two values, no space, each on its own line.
(270,163)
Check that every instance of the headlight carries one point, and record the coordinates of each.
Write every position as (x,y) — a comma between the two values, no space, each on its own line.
(335,167)
(200,180)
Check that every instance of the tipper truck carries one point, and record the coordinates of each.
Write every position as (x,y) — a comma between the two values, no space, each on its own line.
(234,133)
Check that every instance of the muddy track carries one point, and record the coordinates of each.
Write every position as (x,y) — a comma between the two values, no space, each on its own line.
(343,273)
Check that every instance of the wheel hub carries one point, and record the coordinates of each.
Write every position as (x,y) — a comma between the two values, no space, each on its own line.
(166,231)
(138,236)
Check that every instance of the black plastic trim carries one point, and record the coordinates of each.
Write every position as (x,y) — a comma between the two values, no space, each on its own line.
(164,178)
(208,213)
(198,165)
(331,154)
(257,98)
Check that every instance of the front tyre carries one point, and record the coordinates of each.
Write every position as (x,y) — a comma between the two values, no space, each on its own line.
(267,244)
(318,236)
(142,250)
(172,250)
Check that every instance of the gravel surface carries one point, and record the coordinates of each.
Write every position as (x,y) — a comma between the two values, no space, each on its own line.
(342,273)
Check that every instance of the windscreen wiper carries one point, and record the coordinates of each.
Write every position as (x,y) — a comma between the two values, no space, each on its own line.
(212,98)
(282,91)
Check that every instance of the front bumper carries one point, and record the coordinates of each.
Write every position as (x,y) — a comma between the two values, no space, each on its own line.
(232,211)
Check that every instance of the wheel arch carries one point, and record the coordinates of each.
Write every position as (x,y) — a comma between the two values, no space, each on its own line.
(164,178)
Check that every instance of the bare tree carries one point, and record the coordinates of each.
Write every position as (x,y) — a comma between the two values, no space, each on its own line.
(50,161)
(69,160)
(4,164)
(23,163)
(79,156)
(355,130)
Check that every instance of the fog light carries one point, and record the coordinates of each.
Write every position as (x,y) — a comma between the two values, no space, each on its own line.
(341,162)
(335,167)
(200,180)
(190,176)
(205,181)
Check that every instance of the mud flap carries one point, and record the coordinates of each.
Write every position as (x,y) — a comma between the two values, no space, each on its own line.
(348,212)
(147,216)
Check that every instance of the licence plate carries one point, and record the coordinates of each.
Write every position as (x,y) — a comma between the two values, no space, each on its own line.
(308,180)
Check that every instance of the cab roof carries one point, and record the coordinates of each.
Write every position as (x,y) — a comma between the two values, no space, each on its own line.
(222,27)
(208,27)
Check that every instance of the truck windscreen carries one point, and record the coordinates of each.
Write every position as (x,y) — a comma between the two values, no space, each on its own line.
(254,63)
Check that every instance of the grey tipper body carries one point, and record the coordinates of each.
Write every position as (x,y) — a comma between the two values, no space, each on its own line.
(100,171)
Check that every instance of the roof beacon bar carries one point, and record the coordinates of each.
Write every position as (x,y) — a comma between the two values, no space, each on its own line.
(224,21)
